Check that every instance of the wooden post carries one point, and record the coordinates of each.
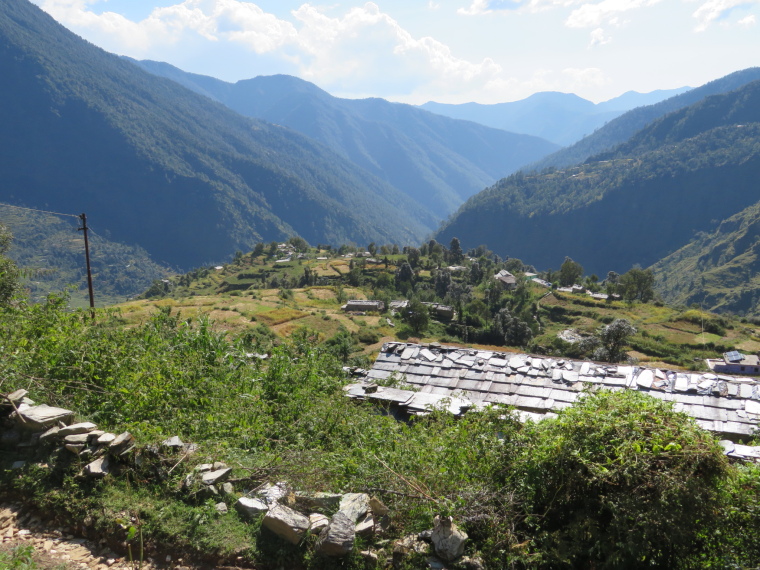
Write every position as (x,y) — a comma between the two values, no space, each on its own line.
(84,229)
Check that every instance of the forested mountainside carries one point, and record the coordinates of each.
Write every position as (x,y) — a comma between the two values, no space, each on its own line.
(50,249)
(563,118)
(436,160)
(159,166)
(719,270)
(625,126)
(682,175)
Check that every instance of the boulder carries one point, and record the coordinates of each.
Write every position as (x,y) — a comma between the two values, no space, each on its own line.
(337,538)
(106,439)
(287,523)
(271,494)
(354,505)
(448,540)
(317,501)
(365,526)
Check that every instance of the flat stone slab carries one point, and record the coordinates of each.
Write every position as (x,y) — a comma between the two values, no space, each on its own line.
(73,429)
(76,438)
(106,438)
(251,507)
(42,416)
(214,477)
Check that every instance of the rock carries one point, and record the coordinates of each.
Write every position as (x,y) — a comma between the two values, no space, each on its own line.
(287,523)
(426,535)
(74,448)
(271,494)
(94,435)
(203,467)
(354,505)
(221,508)
(337,539)
(106,439)
(251,507)
(214,477)
(18,464)
(84,427)
(369,556)
(471,563)
(76,438)
(228,488)
(434,563)
(377,507)
(174,443)
(13,398)
(37,418)
(218,465)
(317,521)
(122,443)
(406,546)
(365,526)
(448,540)
(317,501)
(50,435)
(98,468)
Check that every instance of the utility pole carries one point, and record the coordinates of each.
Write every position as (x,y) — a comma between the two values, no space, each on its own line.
(84,229)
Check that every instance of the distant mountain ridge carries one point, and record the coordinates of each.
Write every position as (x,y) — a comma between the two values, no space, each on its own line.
(437,161)
(159,166)
(562,118)
(620,129)
(637,204)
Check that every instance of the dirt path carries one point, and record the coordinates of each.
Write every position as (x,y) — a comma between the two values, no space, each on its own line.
(55,548)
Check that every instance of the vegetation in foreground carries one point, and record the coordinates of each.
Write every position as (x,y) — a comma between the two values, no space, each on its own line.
(619,481)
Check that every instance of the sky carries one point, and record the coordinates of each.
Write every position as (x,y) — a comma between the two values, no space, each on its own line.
(449,51)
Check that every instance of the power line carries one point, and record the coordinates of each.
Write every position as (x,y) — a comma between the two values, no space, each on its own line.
(43,211)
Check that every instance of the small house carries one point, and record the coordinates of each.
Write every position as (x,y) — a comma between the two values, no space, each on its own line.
(508,280)
(364,306)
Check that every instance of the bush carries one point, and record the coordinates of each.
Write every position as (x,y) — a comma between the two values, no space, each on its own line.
(620,480)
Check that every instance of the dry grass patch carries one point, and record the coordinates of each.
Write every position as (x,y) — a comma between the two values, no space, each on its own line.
(278,316)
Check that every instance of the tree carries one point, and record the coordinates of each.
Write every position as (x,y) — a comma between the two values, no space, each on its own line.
(456,255)
(413,256)
(299,244)
(442,282)
(613,338)
(9,271)
(372,248)
(637,284)
(570,272)
(514,331)
(417,315)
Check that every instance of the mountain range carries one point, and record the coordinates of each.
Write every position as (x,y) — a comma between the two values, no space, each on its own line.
(437,161)
(672,181)
(563,118)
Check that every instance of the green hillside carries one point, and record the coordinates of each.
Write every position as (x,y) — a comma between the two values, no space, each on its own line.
(185,178)
(437,161)
(719,270)
(50,251)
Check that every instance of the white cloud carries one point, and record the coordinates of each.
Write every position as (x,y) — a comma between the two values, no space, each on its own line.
(605,12)
(747,21)
(716,10)
(479,7)
(598,38)
(364,50)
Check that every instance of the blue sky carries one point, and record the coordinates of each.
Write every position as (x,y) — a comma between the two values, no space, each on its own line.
(451,51)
